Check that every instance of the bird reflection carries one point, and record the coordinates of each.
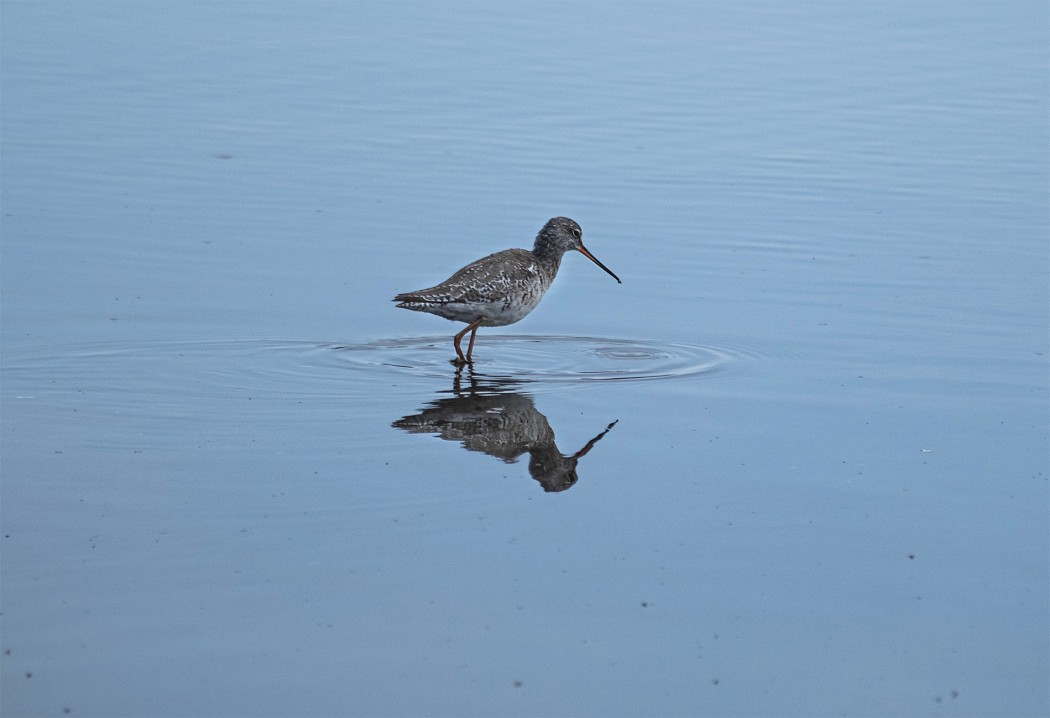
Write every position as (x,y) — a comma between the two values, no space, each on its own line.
(492,418)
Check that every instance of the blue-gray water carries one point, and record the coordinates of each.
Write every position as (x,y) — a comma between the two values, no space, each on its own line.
(238,482)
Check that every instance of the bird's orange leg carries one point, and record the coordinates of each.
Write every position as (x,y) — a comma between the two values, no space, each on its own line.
(470,347)
(460,360)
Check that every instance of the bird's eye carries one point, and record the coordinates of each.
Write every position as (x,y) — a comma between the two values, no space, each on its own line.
(576,233)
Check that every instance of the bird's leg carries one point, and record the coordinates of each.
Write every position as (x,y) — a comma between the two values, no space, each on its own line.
(470,347)
(460,360)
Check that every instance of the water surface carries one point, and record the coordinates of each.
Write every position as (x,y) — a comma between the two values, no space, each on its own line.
(795,465)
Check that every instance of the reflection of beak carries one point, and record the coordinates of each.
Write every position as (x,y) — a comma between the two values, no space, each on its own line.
(588,255)
(595,440)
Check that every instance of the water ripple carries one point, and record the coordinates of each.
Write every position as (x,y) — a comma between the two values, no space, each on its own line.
(313,369)
(556,359)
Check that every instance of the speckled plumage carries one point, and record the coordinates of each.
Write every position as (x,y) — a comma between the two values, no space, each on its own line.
(502,288)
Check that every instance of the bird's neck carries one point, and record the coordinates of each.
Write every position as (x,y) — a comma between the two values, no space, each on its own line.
(547,251)
(550,260)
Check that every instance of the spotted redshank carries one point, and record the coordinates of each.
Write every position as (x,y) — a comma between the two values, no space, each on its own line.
(502,288)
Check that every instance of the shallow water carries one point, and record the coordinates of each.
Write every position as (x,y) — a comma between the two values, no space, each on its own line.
(795,465)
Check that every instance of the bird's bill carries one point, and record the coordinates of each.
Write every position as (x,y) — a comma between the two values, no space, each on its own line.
(583,250)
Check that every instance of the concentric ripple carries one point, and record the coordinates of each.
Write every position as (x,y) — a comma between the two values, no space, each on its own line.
(254,368)
(544,358)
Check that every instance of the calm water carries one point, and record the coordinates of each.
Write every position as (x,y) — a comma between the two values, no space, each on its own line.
(795,465)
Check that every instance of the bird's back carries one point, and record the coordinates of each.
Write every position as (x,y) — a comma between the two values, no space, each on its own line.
(502,287)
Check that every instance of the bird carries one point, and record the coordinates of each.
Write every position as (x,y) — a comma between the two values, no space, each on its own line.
(502,288)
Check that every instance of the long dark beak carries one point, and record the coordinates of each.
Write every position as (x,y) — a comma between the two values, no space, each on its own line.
(588,255)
